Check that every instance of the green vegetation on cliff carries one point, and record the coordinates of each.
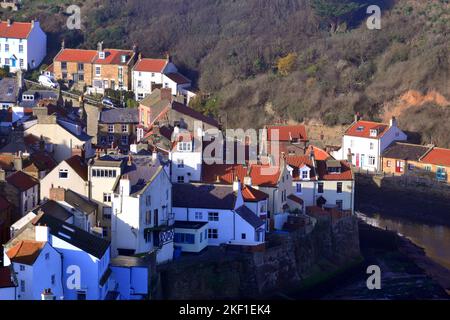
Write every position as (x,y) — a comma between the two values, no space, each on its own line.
(265,60)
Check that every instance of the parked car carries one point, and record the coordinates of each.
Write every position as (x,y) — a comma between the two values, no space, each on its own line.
(107,102)
(47,81)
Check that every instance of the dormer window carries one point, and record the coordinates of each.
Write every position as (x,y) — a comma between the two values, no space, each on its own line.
(305,175)
(101,55)
(334,167)
(373,133)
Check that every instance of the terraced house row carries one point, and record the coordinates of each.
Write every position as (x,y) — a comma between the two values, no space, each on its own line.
(119,69)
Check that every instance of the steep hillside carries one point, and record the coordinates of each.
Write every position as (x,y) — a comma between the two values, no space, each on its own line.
(233,48)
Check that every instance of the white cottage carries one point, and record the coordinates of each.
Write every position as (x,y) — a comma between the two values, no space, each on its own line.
(141,210)
(70,174)
(222,207)
(23,45)
(37,267)
(364,142)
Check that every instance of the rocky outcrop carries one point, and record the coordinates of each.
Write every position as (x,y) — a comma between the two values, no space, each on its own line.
(288,260)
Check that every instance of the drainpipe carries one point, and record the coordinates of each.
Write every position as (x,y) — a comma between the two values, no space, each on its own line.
(234,225)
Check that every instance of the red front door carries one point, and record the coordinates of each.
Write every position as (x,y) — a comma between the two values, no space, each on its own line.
(399,166)
(357,160)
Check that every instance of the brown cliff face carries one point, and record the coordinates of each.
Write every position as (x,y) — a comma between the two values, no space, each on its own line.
(289,259)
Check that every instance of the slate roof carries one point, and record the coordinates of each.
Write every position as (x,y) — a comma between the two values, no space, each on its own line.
(194,225)
(43,161)
(9,90)
(141,171)
(75,236)
(178,78)
(54,209)
(405,151)
(22,181)
(38,96)
(181,108)
(83,136)
(129,262)
(203,196)
(249,216)
(79,202)
(120,116)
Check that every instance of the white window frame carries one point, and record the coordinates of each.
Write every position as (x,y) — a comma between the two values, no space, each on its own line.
(63,171)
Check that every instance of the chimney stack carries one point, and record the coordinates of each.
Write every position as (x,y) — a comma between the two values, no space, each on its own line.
(47,295)
(8,22)
(63,44)
(357,117)
(19,76)
(125,186)
(236,184)
(2,175)
(57,194)
(100,46)
(18,161)
(41,232)
(393,122)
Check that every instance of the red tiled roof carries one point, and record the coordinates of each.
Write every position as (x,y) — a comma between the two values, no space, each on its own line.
(251,194)
(6,162)
(78,165)
(437,156)
(287,133)
(5,278)
(4,204)
(319,154)
(22,181)
(76,55)
(297,162)
(225,173)
(50,68)
(113,56)
(25,252)
(362,129)
(151,65)
(17,30)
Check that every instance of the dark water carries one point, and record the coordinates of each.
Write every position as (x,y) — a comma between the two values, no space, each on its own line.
(435,240)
